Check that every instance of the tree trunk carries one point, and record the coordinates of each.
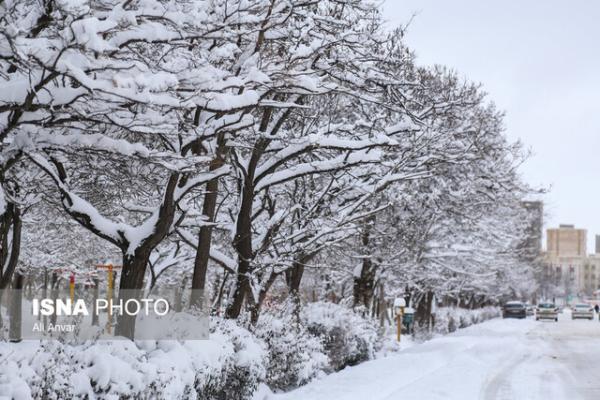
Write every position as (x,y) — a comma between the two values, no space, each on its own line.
(216,306)
(130,287)
(205,235)
(243,245)
(381,305)
(423,312)
(180,290)
(14,333)
(293,276)
(9,249)
(364,284)
(9,254)
(242,241)
(134,265)
(262,295)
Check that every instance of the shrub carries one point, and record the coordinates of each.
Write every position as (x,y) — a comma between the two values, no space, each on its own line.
(235,371)
(449,319)
(230,365)
(294,355)
(348,337)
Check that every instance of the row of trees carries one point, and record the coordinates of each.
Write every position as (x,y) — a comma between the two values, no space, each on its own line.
(236,144)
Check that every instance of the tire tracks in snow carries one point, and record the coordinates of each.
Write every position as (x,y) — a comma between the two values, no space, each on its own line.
(498,386)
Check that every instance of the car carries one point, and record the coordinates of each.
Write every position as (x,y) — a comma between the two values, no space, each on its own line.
(582,310)
(546,311)
(514,309)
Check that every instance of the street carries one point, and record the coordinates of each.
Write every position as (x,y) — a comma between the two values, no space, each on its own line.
(498,359)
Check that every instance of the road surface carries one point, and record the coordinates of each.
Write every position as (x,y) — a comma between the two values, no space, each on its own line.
(499,359)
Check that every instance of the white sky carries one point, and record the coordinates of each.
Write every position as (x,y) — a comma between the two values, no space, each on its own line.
(539,60)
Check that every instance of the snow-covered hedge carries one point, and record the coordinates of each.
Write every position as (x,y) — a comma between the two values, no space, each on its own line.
(283,350)
(235,376)
(228,366)
(449,319)
(348,337)
(294,355)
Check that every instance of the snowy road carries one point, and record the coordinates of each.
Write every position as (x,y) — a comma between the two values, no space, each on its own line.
(499,359)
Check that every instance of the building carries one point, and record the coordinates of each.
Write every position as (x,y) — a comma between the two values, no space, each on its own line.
(566,241)
(591,274)
(568,265)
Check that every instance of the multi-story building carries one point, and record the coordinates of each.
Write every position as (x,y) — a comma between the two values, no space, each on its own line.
(566,241)
(568,264)
(591,273)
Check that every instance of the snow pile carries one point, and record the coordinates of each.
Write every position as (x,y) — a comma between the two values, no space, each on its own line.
(348,337)
(231,364)
(449,319)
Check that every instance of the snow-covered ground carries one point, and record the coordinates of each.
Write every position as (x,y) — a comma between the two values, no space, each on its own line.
(498,359)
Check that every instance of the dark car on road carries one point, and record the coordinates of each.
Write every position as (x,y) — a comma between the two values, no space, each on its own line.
(514,309)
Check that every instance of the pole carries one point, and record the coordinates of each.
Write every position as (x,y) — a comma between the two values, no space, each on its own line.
(72,287)
(95,296)
(110,297)
(399,323)
(44,295)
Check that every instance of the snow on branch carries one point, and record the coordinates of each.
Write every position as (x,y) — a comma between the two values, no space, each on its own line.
(316,167)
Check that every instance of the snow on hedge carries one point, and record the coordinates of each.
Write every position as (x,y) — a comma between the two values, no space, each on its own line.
(449,319)
(295,356)
(349,338)
(228,365)
(284,350)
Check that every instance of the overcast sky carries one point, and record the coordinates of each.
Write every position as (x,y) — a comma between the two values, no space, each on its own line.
(540,62)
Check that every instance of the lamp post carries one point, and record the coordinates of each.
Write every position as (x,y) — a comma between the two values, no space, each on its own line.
(399,304)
